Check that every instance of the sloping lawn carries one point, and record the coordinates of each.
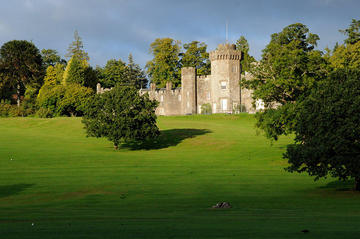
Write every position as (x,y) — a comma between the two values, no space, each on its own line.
(56,183)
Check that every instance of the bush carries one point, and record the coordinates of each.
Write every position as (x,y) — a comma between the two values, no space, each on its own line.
(206,109)
(44,113)
(74,100)
(5,108)
(121,115)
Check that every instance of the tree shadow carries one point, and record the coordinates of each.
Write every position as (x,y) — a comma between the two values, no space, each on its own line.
(167,138)
(339,185)
(9,190)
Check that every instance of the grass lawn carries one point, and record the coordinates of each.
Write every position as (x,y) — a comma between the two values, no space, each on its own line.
(56,183)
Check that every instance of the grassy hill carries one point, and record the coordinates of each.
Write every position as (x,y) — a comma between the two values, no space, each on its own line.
(56,183)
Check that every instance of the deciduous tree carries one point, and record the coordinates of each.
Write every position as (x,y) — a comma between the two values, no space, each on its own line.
(289,69)
(195,55)
(164,66)
(327,129)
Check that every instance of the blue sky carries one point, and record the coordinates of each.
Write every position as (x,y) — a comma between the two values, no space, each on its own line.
(115,28)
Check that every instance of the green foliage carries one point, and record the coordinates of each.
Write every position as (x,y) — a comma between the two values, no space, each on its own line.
(243,45)
(44,113)
(117,72)
(50,57)
(29,103)
(121,115)
(60,100)
(76,49)
(164,67)
(206,109)
(21,66)
(79,72)
(136,76)
(73,101)
(49,97)
(196,56)
(346,56)
(9,110)
(289,69)
(54,74)
(352,33)
(113,73)
(5,108)
(327,129)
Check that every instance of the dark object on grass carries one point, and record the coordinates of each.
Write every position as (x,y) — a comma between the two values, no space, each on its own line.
(305,231)
(222,205)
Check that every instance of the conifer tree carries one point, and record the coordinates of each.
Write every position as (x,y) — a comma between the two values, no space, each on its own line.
(76,48)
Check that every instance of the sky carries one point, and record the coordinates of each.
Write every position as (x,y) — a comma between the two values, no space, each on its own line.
(111,29)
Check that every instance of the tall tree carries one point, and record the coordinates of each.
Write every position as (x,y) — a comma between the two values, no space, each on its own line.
(289,68)
(164,66)
(54,74)
(78,71)
(21,65)
(243,45)
(136,75)
(76,48)
(195,55)
(50,57)
(352,32)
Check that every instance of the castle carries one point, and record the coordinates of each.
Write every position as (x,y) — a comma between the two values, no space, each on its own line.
(219,92)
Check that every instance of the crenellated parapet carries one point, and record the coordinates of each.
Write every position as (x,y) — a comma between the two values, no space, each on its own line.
(225,52)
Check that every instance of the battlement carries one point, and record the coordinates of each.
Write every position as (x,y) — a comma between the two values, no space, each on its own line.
(203,77)
(225,52)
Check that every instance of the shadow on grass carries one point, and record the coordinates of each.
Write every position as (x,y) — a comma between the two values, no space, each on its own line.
(167,138)
(338,185)
(9,190)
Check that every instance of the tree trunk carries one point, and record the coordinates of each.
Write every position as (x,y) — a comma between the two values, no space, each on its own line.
(18,94)
(357,184)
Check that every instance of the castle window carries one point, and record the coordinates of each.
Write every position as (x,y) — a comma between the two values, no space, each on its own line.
(161,98)
(234,69)
(179,97)
(208,95)
(223,85)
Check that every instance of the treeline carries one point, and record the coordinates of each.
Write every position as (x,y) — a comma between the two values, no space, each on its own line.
(45,85)
(170,56)
(42,83)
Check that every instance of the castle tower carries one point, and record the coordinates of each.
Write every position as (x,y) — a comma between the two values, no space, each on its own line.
(225,77)
(188,90)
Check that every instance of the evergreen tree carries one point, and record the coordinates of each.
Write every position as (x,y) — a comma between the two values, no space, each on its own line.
(21,66)
(289,69)
(136,75)
(243,45)
(76,49)
(121,115)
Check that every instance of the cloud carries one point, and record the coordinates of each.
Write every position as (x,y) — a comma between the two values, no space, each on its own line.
(113,28)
